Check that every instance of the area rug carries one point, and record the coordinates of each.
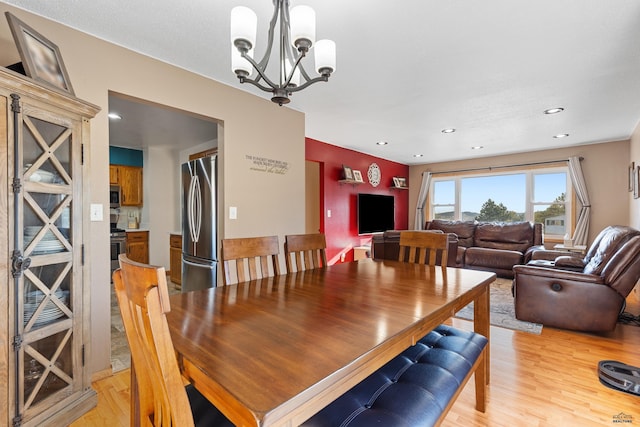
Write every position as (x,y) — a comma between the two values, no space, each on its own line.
(502,309)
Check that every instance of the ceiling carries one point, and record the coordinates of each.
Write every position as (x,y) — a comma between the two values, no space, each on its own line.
(143,124)
(407,70)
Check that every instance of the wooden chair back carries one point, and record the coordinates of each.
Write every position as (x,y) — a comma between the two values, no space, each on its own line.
(415,245)
(259,256)
(143,298)
(305,251)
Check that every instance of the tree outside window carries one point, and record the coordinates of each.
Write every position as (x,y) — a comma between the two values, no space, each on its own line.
(491,211)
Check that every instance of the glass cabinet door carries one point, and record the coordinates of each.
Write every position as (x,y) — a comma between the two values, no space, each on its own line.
(49,216)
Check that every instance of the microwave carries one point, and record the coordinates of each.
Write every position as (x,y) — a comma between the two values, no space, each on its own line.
(115,195)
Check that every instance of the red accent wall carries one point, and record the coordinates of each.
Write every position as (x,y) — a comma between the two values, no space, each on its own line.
(341,230)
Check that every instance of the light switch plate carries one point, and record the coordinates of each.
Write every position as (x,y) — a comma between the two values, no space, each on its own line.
(233,212)
(96,212)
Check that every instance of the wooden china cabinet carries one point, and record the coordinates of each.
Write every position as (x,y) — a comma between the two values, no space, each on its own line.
(44,327)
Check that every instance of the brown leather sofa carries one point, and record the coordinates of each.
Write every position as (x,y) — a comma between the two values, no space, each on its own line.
(387,246)
(584,294)
(492,246)
(485,246)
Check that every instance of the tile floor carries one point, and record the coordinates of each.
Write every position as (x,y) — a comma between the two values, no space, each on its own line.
(120,355)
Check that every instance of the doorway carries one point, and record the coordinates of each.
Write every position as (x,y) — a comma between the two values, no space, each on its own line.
(166,137)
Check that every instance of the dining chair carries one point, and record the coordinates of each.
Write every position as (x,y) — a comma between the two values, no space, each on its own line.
(162,399)
(305,251)
(259,256)
(415,245)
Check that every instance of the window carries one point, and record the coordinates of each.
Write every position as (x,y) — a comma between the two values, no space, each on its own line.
(537,195)
(444,199)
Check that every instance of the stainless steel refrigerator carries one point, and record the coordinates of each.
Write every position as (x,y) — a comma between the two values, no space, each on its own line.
(199,224)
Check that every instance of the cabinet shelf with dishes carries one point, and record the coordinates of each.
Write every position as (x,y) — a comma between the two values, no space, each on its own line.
(45,369)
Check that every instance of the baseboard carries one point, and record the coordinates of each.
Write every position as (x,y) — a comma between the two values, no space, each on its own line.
(66,412)
(100,375)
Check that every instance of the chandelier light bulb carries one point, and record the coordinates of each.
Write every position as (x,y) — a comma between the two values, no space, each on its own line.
(239,65)
(244,26)
(303,27)
(325,56)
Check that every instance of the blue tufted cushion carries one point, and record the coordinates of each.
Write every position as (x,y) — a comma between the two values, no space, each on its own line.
(413,389)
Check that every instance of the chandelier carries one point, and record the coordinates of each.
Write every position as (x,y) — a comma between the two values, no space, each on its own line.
(297,36)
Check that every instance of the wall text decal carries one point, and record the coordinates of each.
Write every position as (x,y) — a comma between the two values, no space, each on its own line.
(262,164)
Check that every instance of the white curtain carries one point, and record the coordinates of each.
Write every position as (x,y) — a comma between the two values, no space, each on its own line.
(422,201)
(581,233)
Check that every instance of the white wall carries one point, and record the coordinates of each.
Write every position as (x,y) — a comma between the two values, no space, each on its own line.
(162,202)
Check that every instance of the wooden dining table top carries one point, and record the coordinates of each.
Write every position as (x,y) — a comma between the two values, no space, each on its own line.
(276,350)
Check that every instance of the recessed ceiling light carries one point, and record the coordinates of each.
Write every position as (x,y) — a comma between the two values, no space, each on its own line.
(477,147)
(554,110)
(115,116)
(448,130)
(418,155)
(561,135)
(382,142)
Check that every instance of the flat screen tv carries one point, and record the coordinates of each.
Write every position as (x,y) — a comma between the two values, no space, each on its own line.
(375,213)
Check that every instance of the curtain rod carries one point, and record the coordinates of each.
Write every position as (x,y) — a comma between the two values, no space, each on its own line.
(503,167)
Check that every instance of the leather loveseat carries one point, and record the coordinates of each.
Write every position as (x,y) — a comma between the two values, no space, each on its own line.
(488,246)
(584,294)
(387,246)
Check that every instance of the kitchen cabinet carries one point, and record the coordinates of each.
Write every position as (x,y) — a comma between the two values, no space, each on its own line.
(44,222)
(129,178)
(138,246)
(175,259)
(114,175)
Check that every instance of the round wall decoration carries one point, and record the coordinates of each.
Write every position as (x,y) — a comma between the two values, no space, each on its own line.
(374,174)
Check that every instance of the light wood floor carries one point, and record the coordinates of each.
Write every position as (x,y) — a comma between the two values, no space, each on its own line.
(536,380)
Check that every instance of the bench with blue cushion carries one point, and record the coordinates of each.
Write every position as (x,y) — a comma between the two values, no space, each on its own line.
(416,388)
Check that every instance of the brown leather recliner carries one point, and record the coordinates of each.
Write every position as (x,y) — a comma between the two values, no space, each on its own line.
(584,294)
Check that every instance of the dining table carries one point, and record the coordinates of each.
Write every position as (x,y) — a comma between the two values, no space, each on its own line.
(275,351)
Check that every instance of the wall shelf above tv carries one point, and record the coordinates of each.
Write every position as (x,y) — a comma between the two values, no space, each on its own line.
(350,181)
(400,183)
